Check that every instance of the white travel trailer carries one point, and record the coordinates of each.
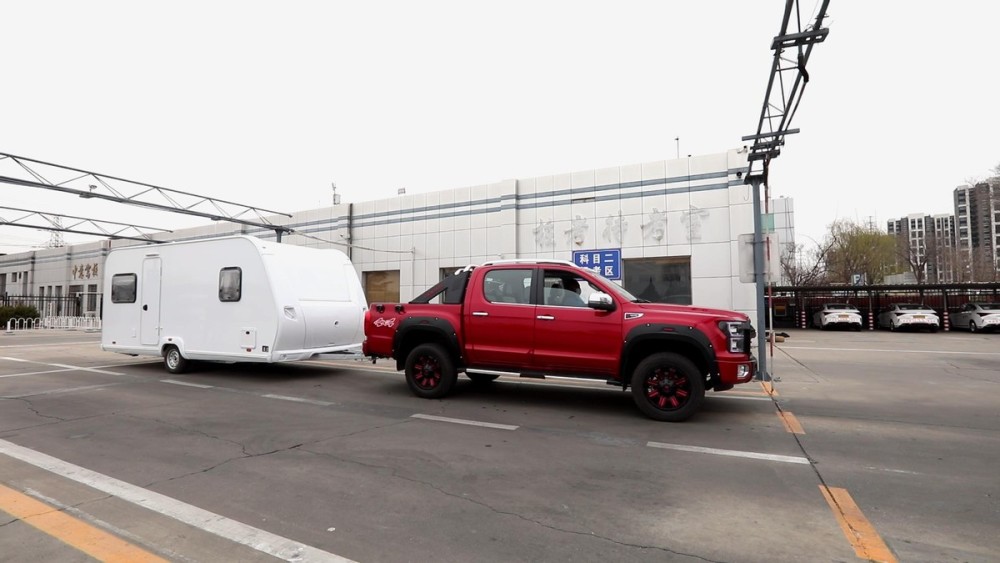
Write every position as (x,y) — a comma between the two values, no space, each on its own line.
(230,299)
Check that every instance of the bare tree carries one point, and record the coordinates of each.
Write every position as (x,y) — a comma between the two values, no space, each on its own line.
(915,258)
(800,267)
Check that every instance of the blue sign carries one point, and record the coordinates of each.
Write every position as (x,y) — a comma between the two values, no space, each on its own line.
(607,263)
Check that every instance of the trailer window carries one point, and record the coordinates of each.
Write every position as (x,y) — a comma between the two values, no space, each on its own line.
(123,288)
(230,284)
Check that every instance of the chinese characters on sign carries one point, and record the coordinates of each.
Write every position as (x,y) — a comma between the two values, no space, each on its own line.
(84,271)
(607,263)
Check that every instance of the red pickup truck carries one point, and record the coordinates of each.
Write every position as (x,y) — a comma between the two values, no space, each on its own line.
(544,317)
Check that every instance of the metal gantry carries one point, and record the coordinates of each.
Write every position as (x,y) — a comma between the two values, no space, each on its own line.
(81,225)
(785,85)
(28,172)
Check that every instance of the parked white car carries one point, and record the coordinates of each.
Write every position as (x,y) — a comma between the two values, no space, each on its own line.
(977,316)
(909,316)
(837,314)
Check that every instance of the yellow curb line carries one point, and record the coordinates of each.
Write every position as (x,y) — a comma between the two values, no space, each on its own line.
(791,423)
(868,545)
(93,541)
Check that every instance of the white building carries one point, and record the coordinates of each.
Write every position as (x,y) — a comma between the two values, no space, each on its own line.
(674,223)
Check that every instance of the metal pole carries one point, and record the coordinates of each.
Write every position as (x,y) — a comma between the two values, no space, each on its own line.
(760,279)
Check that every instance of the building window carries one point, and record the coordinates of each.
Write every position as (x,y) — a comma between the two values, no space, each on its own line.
(230,284)
(447,272)
(381,286)
(123,288)
(660,280)
(92,298)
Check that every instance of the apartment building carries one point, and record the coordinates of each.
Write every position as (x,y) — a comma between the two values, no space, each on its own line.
(977,224)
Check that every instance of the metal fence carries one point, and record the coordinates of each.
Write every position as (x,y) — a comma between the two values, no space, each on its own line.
(64,323)
(79,305)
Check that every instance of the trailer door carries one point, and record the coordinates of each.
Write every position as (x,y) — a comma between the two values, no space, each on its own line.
(149,312)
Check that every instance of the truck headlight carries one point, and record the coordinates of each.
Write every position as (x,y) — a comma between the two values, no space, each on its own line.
(738,335)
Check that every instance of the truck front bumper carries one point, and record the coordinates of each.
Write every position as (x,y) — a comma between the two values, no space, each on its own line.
(737,370)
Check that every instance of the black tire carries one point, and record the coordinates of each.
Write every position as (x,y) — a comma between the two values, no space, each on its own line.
(668,387)
(892,327)
(482,378)
(972,326)
(934,329)
(430,371)
(173,360)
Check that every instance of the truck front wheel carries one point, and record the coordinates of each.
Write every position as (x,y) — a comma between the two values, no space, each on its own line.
(667,387)
(430,371)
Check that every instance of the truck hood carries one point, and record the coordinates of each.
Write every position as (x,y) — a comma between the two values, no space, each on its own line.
(649,309)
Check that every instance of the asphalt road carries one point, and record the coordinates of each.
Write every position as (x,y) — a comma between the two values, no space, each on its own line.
(875,446)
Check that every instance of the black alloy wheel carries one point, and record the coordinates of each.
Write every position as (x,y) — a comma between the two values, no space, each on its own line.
(668,387)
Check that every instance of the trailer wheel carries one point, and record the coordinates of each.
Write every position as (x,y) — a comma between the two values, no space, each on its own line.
(173,360)
(430,371)
(667,387)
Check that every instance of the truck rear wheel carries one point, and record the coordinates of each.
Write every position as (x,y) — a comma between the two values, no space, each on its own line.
(667,387)
(173,360)
(430,371)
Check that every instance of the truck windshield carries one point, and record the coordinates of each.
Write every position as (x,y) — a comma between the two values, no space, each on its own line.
(621,291)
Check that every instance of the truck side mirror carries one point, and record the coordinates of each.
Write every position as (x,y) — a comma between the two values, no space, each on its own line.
(601,301)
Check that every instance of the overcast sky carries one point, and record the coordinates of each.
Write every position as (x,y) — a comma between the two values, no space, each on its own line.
(266,104)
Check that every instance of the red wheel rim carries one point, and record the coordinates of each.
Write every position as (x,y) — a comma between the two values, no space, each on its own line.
(427,372)
(667,389)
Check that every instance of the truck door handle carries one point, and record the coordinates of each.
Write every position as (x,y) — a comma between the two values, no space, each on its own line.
(545,318)
(145,307)
(480,314)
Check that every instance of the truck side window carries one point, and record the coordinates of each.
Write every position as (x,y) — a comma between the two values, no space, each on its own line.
(230,284)
(123,288)
(507,286)
(563,289)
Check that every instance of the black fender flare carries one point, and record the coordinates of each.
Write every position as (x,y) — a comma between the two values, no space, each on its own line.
(688,336)
(437,329)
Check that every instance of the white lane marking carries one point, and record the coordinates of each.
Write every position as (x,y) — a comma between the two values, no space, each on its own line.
(34,373)
(238,532)
(63,390)
(185,383)
(890,351)
(299,400)
(78,368)
(63,370)
(467,422)
(731,453)
(64,367)
(887,470)
(95,341)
